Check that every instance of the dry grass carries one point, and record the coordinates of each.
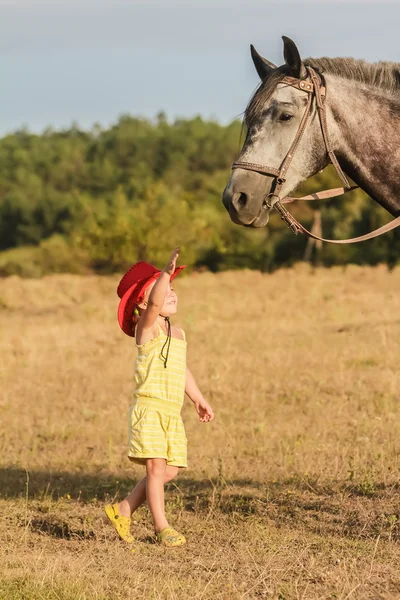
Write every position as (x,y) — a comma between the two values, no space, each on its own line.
(292,492)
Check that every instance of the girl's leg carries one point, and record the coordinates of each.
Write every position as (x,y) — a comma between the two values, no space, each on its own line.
(138,495)
(156,470)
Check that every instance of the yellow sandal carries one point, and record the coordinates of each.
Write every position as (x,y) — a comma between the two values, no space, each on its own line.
(170,537)
(121,524)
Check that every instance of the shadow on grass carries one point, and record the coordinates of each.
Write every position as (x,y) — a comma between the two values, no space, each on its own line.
(347,509)
(60,529)
(19,483)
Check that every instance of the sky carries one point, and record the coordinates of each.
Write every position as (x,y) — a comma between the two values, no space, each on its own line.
(89,61)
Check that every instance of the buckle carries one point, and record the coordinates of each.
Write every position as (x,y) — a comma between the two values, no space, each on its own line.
(269,202)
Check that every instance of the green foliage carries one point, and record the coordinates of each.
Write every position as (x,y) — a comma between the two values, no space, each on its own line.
(99,200)
(53,255)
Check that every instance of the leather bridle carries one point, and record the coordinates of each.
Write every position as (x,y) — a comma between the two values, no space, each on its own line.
(313,86)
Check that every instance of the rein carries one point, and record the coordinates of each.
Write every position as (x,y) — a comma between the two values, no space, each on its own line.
(314,87)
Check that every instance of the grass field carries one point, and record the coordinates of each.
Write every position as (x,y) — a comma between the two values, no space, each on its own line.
(293,489)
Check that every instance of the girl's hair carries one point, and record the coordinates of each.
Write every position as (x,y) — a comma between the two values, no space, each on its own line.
(143,295)
(135,318)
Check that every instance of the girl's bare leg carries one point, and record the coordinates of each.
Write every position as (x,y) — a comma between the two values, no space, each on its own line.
(156,470)
(138,495)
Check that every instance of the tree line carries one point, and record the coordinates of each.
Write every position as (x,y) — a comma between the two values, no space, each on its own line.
(96,201)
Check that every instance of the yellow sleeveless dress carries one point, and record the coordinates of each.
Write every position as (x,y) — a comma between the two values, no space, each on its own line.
(155,424)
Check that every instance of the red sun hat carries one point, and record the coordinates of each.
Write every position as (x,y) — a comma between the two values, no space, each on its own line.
(131,290)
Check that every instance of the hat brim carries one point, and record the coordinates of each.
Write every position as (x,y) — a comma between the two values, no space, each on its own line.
(131,297)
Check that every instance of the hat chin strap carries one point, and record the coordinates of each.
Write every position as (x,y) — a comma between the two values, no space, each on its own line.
(167,341)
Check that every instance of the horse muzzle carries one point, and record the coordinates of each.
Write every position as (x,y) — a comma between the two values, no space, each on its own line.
(247,204)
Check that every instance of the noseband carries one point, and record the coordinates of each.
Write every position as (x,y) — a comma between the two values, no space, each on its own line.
(314,88)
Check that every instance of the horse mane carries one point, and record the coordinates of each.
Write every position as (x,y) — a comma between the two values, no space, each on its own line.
(262,93)
(384,75)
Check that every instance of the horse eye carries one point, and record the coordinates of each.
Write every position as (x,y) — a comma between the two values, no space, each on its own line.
(286,117)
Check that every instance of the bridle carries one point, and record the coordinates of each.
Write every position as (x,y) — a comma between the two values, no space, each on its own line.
(315,88)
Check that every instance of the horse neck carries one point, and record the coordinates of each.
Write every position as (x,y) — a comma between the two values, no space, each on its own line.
(365,123)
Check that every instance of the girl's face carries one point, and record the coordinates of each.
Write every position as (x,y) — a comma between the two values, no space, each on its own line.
(170,305)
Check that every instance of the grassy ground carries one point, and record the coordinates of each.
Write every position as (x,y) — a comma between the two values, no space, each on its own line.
(292,491)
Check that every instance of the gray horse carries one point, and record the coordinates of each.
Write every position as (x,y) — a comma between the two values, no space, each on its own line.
(362,115)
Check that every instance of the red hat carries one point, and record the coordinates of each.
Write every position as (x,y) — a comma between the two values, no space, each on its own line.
(131,290)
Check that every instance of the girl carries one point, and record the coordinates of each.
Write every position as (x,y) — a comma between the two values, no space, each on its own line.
(156,434)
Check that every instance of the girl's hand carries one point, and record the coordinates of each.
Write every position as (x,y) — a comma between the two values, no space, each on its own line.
(171,265)
(204,411)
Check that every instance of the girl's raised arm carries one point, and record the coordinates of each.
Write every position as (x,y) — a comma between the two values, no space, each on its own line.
(157,295)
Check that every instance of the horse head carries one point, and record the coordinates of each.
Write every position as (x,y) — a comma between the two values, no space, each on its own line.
(273,119)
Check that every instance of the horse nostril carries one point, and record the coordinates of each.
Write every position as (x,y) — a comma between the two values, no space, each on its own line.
(239,200)
(242,200)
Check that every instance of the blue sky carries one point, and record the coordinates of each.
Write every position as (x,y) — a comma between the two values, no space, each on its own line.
(90,61)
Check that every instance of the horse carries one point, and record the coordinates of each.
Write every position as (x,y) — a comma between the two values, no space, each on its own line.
(306,114)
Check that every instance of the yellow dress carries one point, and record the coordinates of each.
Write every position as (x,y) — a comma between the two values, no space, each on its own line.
(155,424)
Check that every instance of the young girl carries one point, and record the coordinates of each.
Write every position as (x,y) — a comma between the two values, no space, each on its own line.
(156,433)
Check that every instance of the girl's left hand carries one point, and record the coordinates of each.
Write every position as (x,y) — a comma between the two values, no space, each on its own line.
(171,265)
(204,411)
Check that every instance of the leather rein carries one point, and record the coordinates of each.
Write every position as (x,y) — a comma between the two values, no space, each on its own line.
(314,87)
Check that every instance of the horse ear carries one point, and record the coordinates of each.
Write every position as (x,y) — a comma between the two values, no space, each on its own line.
(292,58)
(263,66)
